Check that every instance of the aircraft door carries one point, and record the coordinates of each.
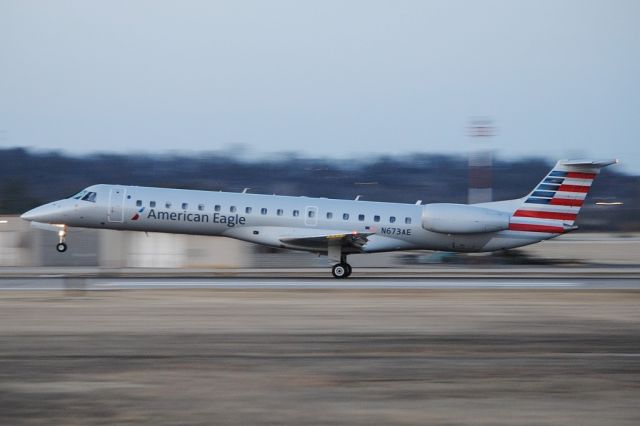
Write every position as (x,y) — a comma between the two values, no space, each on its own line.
(116,204)
(311,216)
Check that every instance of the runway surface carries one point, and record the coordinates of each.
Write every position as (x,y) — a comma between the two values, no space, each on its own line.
(286,351)
(65,283)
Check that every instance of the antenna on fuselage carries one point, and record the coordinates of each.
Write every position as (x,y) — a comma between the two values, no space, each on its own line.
(357,197)
(244,191)
(418,202)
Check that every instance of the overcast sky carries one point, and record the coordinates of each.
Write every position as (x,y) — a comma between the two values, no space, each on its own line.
(338,78)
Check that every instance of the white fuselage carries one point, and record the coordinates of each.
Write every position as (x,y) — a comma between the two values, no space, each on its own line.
(271,220)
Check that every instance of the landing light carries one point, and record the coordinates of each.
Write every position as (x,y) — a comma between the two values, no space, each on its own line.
(4,221)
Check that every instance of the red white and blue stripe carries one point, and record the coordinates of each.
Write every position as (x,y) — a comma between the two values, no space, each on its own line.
(553,206)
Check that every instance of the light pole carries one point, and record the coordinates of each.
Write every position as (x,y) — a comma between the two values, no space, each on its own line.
(480,160)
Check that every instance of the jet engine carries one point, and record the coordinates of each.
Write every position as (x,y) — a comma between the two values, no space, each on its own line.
(447,218)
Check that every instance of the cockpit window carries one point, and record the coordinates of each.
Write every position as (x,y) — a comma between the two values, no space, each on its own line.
(79,195)
(90,196)
(85,195)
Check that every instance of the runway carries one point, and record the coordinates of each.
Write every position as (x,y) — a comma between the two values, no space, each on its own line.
(57,283)
(292,351)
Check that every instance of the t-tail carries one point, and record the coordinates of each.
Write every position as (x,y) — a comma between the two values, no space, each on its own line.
(553,206)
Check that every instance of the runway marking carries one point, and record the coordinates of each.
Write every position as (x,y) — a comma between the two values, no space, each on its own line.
(58,288)
(341,284)
(605,354)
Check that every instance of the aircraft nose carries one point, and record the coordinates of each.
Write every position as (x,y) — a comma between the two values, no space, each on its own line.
(27,215)
(41,214)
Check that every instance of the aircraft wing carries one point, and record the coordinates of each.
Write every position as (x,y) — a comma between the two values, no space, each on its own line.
(353,241)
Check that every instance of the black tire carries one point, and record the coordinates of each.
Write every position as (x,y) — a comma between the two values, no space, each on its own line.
(340,270)
(61,247)
(349,270)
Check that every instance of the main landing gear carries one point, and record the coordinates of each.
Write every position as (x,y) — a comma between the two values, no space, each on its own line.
(62,246)
(341,270)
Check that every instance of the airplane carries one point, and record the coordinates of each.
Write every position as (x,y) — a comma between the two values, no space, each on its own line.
(332,227)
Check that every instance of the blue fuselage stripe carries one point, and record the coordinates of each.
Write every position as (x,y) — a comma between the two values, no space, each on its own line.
(554,180)
(532,200)
(547,194)
(545,186)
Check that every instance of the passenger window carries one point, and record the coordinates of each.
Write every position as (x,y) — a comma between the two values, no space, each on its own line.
(361,217)
(167,205)
(345,216)
(216,208)
(296,213)
(152,203)
(329,215)
(200,207)
(247,210)
(392,219)
(185,206)
(407,220)
(263,211)
(376,218)
(311,213)
(139,203)
(280,212)
(232,209)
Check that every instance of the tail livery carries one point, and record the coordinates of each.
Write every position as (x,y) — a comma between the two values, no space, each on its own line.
(552,207)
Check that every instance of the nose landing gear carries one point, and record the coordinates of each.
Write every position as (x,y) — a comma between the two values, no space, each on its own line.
(62,246)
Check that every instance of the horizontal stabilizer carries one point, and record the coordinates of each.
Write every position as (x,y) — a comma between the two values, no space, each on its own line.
(587,163)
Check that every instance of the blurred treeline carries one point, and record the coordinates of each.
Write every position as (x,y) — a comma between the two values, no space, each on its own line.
(31,178)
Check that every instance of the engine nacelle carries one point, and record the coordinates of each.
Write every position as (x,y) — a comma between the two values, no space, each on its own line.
(462,219)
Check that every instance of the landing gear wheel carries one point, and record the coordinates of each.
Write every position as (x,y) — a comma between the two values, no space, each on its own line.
(348,270)
(61,247)
(341,270)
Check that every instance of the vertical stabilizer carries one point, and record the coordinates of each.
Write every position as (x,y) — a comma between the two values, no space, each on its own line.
(553,206)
